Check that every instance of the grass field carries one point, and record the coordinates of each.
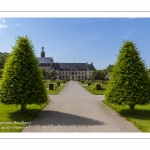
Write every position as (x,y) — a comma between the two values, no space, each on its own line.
(12,120)
(95,92)
(141,117)
(56,91)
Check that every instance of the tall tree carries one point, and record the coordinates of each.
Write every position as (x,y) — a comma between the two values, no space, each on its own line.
(22,79)
(129,83)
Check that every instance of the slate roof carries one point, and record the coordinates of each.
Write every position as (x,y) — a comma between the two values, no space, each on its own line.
(73,66)
(45,61)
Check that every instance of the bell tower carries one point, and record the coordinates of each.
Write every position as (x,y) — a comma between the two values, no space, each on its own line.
(42,53)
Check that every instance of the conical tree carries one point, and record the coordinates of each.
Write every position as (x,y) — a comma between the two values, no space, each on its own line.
(129,83)
(22,82)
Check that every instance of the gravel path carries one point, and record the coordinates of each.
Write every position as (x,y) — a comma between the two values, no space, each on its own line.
(74,109)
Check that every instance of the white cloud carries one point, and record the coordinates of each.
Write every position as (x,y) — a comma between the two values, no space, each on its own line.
(3,26)
(2,23)
(2,20)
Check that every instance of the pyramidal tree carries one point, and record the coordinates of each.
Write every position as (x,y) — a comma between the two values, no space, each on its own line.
(22,82)
(129,83)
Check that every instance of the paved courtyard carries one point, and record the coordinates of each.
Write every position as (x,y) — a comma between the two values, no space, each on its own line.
(74,109)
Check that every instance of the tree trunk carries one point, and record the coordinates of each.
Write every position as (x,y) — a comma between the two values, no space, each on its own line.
(132,108)
(23,108)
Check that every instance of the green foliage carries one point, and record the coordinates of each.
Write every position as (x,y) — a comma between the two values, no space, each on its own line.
(67,79)
(58,81)
(129,83)
(55,91)
(43,72)
(3,57)
(98,86)
(53,74)
(101,74)
(11,114)
(49,74)
(92,89)
(98,75)
(148,71)
(1,73)
(22,79)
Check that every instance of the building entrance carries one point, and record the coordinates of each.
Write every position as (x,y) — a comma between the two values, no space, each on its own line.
(72,77)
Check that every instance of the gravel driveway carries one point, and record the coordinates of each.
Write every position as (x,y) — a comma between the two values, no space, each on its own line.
(74,109)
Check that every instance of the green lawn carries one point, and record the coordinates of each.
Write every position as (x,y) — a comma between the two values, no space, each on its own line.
(12,120)
(141,117)
(95,92)
(57,90)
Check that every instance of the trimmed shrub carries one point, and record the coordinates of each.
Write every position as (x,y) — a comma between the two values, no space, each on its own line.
(129,83)
(22,81)
(55,86)
(58,83)
(82,81)
(98,87)
(89,84)
(51,86)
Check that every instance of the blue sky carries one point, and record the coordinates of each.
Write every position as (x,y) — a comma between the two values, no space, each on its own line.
(96,40)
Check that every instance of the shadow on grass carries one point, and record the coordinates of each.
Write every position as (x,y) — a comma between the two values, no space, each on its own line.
(58,118)
(141,112)
(26,117)
(138,114)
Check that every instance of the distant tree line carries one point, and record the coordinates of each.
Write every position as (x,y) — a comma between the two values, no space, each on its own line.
(50,74)
(3,57)
(101,74)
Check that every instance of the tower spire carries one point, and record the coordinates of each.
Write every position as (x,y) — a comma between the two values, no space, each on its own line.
(42,53)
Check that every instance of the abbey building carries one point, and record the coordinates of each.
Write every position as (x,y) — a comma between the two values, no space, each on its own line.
(66,70)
